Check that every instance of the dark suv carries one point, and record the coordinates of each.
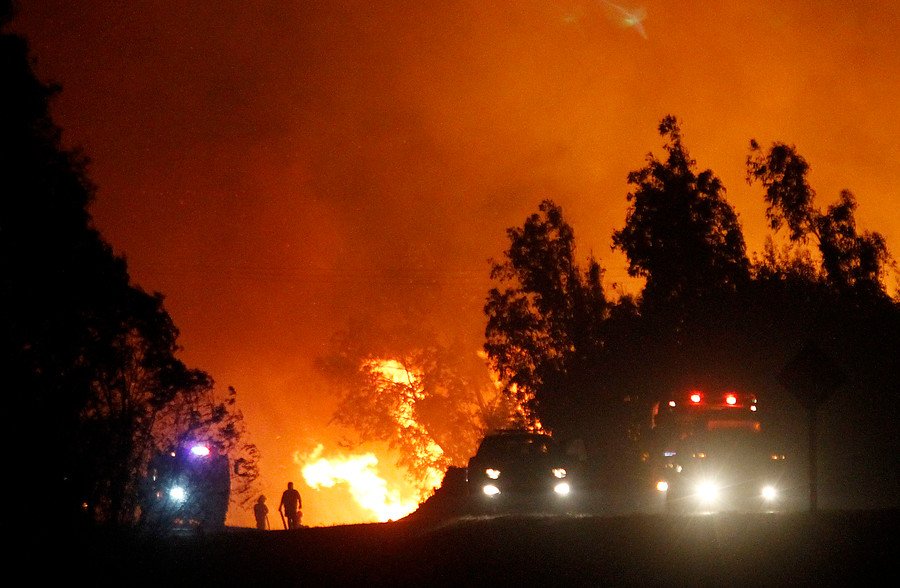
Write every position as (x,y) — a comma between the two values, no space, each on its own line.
(519,468)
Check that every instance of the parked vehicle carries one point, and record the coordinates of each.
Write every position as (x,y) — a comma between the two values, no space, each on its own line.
(188,487)
(516,469)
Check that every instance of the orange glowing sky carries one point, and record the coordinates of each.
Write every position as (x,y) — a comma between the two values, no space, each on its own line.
(275,167)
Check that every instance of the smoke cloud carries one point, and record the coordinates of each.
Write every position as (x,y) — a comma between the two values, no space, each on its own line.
(276,167)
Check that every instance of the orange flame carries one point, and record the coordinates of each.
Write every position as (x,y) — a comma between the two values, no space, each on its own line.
(359,473)
(426,449)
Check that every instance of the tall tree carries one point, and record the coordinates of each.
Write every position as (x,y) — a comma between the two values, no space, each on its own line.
(680,233)
(850,260)
(57,276)
(834,297)
(544,319)
(89,358)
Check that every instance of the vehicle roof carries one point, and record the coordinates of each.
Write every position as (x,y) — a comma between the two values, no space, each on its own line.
(517,432)
(518,442)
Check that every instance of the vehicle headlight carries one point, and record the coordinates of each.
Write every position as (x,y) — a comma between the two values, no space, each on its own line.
(769,493)
(707,492)
(490,490)
(562,489)
(492,473)
(662,486)
(559,472)
(178,493)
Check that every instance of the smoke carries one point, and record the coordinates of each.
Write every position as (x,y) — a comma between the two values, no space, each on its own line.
(277,167)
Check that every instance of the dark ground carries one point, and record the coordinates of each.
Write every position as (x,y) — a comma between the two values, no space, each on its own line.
(833,548)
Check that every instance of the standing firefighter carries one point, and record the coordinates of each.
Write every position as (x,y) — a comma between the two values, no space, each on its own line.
(261,512)
(290,506)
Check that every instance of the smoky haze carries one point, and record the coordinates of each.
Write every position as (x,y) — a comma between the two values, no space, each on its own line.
(278,167)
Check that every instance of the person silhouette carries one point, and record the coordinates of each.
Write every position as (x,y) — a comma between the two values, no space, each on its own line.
(290,506)
(261,512)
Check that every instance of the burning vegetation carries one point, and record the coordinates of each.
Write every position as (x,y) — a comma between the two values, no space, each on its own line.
(358,473)
(428,406)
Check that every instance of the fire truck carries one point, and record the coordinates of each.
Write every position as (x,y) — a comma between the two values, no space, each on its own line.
(188,487)
(709,453)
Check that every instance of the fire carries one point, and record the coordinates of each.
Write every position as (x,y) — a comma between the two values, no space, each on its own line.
(359,473)
(426,449)
(398,387)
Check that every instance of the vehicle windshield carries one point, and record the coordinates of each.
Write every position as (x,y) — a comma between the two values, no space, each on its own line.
(510,446)
(727,441)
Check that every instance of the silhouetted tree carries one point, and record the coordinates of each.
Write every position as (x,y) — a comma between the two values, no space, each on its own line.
(89,358)
(684,238)
(134,375)
(850,260)
(57,279)
(680,233)
(543,321)
(836,298)
(707,317)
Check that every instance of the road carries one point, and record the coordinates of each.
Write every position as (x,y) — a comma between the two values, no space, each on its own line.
(828,548)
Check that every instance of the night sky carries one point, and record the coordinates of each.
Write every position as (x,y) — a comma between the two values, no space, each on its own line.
(277,167)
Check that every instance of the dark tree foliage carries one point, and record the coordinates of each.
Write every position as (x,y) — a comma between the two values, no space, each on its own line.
(89,359)
(852,261)
(836,299)
(684,238)
(680,233)
(57,277)
(707,318)
(543,322)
